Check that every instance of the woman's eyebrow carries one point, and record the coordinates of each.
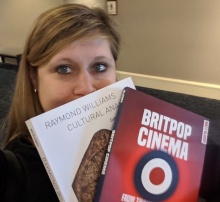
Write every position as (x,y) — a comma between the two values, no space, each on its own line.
(61,60)
(102,57)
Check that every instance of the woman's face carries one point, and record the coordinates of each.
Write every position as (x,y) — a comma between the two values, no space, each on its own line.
(81,68)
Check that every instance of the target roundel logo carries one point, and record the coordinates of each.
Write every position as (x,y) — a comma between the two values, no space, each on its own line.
(156,176)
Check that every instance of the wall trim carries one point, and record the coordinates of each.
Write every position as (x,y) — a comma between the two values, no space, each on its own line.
(174,85)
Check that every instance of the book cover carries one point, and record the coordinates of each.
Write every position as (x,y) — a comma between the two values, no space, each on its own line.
(156,152)
(72,140)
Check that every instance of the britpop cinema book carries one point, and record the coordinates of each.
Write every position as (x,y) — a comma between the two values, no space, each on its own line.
(156,152)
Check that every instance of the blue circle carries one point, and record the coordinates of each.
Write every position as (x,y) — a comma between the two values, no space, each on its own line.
(138,171)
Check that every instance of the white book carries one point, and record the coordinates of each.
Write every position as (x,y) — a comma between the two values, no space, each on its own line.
(63,135)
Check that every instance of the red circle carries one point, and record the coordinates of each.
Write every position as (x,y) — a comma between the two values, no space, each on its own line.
(157,176)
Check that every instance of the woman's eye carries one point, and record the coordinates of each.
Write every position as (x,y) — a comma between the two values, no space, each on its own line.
(100,67)
(64,69)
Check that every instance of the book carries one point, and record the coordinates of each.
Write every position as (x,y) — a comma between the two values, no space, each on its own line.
(72,140)
(156,152)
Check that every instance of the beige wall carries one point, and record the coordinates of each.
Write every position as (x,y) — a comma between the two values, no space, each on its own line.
(166,38)
(91,3)
(171,38)
(16,18)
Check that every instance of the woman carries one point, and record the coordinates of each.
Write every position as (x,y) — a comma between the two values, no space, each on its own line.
(71,52)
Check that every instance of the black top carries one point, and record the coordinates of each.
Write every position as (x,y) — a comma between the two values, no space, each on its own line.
(35,184)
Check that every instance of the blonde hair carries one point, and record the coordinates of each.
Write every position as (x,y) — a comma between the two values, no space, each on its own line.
(53,30)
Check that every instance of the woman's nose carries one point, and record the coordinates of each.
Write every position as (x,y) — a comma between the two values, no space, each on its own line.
(84,84)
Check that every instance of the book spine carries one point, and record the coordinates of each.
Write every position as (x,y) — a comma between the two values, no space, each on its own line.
(44,160)
(119,109)
(107,155)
